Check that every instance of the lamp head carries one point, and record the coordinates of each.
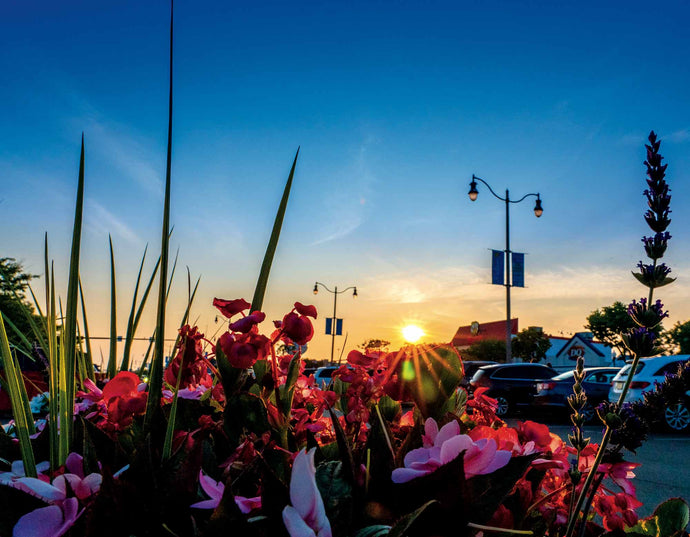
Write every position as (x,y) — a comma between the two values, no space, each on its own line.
(316,289)
(538,210)
(473,190)
(354,293)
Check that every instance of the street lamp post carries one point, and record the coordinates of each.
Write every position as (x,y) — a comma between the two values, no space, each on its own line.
(335,293)
(538,211)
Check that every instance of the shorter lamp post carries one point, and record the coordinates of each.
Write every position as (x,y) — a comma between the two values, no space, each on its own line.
(538,211)
(335,293)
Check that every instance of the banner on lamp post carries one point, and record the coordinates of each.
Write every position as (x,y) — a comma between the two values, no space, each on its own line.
(338,326)
(497,267)
(518,262)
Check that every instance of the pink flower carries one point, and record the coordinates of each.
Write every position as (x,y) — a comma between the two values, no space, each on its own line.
(621,473)
(51,521)
(306,517)
(441,447)
(215,490)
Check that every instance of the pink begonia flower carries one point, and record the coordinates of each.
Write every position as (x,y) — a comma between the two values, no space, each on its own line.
(51,521)
(17,471)
(306,517)
(83,487)
(215,490)
(445,445)
(621,473)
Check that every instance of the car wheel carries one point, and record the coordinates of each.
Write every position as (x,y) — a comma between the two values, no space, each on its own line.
(588,413)
(503,405)
(677,417)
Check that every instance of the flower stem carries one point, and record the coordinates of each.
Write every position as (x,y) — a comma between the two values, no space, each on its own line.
(600,454)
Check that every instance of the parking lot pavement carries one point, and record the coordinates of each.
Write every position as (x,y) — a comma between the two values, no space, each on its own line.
(664,472)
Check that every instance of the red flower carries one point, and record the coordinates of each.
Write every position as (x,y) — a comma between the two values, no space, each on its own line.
(309,311)
(297,328)
(190,358)
(245,324)
(231,307)
(365,360)
(243,350)
(123,399)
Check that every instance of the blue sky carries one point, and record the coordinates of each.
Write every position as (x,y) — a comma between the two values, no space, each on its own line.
(394,105)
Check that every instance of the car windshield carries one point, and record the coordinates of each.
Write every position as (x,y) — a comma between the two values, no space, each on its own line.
(564,376)
(623,372)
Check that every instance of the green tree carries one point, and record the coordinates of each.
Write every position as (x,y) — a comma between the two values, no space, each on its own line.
(14,283)
(488,349)
(609,323)
(375,345)
(678,337)
(531,345)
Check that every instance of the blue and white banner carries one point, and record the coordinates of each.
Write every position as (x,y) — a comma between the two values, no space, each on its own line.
(338,326)
(497,267)
(518,270)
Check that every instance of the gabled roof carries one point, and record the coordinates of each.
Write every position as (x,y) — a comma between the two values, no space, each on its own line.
(585,341)
(493,330)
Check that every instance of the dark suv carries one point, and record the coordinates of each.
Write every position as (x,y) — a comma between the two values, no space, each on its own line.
(512,385)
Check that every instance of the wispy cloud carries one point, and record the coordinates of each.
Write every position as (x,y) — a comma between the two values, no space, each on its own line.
(102,221)
(679,136)
(126,151)
(348,204)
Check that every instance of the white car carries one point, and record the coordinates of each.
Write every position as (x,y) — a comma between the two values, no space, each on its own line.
(649,371)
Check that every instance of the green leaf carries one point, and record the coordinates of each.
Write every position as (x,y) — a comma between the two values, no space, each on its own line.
(245,411)
(403,525)
(68,342)
(15,384)
(335,491)
(262,282)
(156,376)
(289,393)
(89,350)
(673,516)
(379,530)
(124,366)
(112,357)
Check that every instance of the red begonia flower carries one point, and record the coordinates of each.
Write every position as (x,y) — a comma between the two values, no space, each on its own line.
(243,350)
(365,360)
(245,324)
(297,328)
(231,307)
(309,311)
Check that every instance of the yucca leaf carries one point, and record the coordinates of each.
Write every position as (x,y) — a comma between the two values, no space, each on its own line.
(156,377)
(27,313)
(69,357)
(124,366)
(25,342)
(54,376)
(135,316)
(170,430)
(15,385)
(89,350)
(142,368)
(112,356)
(262,282)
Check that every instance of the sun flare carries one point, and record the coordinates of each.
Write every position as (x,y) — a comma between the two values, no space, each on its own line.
(412,333)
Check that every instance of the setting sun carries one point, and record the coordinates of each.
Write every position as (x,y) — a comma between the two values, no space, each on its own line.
(412,333)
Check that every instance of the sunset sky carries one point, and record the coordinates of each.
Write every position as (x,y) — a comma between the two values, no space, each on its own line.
(395,105)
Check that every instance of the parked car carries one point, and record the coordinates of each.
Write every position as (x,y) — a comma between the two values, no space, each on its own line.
(323,376)
(552,394)
(649,371)
(470,367)
(512,385)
